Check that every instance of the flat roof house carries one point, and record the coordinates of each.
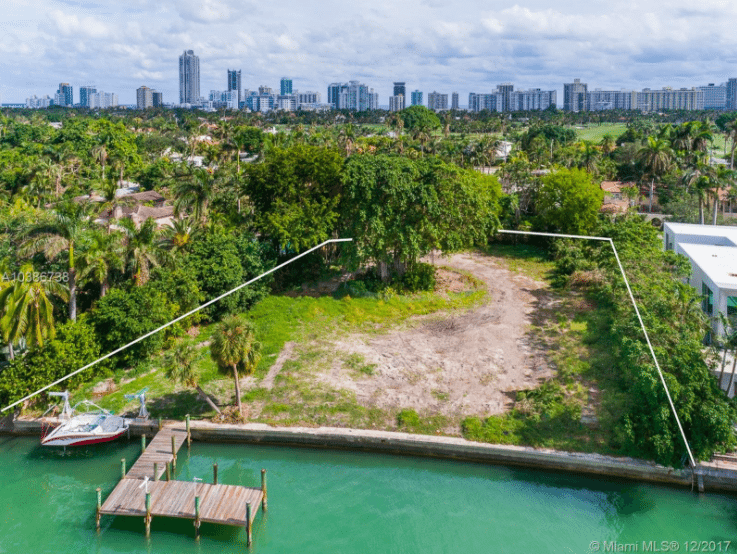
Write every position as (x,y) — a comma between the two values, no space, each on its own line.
(712,251)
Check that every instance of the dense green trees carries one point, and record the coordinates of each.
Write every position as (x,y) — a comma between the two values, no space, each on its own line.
(568,202)
(642,423)
(398,210)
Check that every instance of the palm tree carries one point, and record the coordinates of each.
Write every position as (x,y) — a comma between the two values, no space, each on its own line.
(656,156)
(589,156)
(194,193)
(179,236)
(100,155)
(607,144)
(180,368)
(234,343)
(141,248)
(723,178)
(699,178)
(68,227)
(730,131)
(104,253)
(27,311)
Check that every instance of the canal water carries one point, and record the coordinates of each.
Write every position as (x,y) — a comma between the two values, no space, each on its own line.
(325,502)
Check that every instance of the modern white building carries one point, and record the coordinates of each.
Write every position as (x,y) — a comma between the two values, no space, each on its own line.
(712,251)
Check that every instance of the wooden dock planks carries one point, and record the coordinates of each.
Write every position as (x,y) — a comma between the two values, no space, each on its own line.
(223,504)
(158,450)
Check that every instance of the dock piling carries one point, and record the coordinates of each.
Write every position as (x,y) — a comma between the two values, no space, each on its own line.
(156,471)
(159,424)
(122,468)
(99,506)
(248,522)
(197,518)
(148,514)
(263,489)
(168,471)
(214,474)
(189,434)
(143,443)
(173,452)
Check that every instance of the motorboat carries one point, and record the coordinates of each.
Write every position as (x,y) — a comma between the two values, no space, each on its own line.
(79,428)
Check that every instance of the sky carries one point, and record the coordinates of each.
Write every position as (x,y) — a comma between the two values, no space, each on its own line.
(444,45)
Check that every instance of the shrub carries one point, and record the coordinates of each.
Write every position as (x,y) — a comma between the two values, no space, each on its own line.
(419,277)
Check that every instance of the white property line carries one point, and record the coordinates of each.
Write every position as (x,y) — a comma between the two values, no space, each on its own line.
(639,317)
(172,322)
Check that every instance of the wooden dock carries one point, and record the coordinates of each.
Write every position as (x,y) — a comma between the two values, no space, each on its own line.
(159,452)
(198,501)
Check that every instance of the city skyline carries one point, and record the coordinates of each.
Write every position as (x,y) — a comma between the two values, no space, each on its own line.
(427,44)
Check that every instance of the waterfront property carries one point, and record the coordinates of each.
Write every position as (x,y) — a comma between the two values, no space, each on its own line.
(712,251)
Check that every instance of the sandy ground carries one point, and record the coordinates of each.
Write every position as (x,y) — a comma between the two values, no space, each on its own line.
(469,364)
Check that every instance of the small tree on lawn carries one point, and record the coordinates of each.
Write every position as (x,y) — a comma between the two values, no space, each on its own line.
(234,343)
(180,368)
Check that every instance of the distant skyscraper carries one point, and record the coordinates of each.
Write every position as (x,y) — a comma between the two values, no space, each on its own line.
(158,99)
(144,98)
(396,103)
(65,95)
(84,95)
(732,94)
(234,83)
(715,96)
(454,101)
(285,86)
(189,78)
(504,91)
(399,88)
(437,101)
(417,98)
(574,96)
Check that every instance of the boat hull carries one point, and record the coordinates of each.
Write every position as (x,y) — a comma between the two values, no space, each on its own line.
(80,440)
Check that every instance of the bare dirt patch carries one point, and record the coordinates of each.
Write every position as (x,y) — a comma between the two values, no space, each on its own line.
(468,364)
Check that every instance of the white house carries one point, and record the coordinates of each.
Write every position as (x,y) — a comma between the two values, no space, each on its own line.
(712,251)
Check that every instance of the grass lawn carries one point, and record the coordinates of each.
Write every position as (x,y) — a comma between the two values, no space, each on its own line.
(596,132)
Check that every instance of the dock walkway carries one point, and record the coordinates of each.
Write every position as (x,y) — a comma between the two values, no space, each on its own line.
(212,503)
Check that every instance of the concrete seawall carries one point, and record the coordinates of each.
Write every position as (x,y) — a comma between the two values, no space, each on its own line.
(711,478)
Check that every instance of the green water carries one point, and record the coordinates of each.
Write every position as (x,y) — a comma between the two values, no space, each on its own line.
(325,502)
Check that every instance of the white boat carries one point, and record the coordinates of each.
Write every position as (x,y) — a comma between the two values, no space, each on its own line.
(90,427)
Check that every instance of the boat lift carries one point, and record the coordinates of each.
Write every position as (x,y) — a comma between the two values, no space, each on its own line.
(141,397)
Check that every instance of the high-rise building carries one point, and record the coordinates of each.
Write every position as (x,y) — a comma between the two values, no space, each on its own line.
(35,103)
(144,98)
(670,99)
(65,95)
(598,100)
(234,82)
(189,78)
(285,86)
(353,96)
(84,93)
(491,102)
(505,95)
(158,99)
(417,98)
(715,96)
(400,88)
(531,100)
(102,100)
(437,101)
(454,102)
(575,97)
(731,103)
(396,103)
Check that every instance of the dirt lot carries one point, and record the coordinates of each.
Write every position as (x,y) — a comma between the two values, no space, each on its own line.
(469,364)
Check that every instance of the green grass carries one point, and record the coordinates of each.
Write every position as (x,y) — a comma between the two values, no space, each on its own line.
(596,132)
(530,260)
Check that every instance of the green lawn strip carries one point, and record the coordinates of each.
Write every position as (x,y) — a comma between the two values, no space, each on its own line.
(528,259)
(596,132)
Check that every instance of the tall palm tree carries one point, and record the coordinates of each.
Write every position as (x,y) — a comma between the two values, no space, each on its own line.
(179,365)
(234,343)
(141,248)
(194,193)
(100,155)
(699,179)
(104,253)
(27,311)
(68,227)
(656,156)
(723,178)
